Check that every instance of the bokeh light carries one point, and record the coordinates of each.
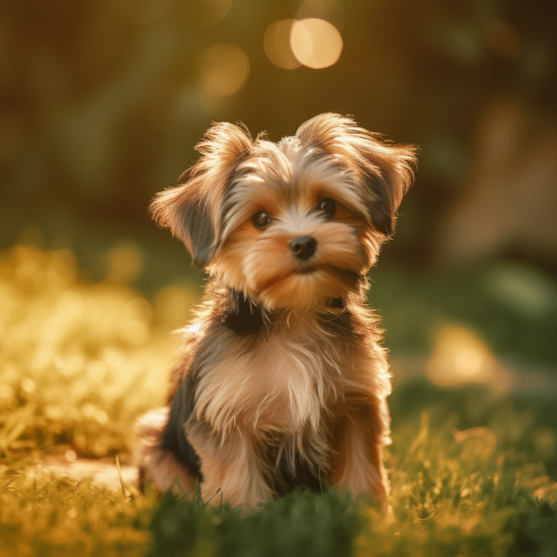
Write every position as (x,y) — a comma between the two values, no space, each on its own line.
(460,357)
(125,262)
(277,44)
(316,43)
(173,305)
(224,70)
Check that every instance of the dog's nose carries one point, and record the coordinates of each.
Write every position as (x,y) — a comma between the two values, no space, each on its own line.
(303,246)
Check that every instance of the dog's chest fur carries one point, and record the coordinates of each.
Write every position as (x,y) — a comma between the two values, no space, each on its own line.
(282,382)
(281,391)
(286,383)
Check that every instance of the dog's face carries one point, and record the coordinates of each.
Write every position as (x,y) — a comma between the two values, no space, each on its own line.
(291,224)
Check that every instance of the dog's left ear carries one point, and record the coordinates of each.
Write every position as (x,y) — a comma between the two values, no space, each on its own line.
(386,170)
(193,210)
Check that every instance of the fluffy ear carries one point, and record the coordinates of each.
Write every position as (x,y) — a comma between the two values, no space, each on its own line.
(193,210)
(386,170)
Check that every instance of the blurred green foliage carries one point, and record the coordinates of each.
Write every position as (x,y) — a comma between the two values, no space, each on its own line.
(511,306)
(76,360)
(102,102)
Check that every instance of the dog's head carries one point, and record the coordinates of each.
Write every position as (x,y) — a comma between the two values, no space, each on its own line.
(290,224)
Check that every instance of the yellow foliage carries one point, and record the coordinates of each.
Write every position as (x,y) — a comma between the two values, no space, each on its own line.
(78,361)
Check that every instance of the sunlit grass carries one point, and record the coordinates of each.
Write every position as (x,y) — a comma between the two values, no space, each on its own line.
(78,362)
(472,472)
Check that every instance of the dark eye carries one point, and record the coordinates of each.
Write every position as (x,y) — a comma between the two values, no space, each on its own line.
(261,220)
(327,206)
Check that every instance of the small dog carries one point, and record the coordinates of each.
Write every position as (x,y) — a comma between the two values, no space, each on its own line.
(283,379)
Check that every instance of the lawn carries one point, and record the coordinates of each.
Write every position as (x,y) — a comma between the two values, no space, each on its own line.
(473,470)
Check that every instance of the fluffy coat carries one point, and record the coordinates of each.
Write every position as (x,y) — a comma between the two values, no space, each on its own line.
(283,380)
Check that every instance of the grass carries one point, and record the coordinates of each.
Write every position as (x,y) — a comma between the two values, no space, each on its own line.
(473,473)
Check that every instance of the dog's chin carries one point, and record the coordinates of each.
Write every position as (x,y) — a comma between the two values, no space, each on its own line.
(307,287)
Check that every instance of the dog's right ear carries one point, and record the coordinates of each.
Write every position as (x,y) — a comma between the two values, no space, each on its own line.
(193,210)
(386,170)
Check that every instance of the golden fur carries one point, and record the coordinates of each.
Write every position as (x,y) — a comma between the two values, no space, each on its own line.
(283,381)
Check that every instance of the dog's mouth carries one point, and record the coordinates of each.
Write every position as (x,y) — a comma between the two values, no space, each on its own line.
(347,274)
(307,270)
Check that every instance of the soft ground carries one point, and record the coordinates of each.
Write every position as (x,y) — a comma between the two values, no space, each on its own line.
(473,469)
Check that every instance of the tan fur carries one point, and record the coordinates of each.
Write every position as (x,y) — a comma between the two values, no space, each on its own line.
(160,466)
(295,382)
(236,470)
(219,147)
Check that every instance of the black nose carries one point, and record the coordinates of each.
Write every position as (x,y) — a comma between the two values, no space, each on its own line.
(303,246)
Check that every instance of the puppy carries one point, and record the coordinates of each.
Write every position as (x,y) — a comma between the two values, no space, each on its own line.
(283,378)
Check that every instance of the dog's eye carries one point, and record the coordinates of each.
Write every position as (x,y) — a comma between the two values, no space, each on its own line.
(261,220)
(327,206)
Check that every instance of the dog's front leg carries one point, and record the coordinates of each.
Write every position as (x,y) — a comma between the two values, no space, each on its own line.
(359,441)
(230,462)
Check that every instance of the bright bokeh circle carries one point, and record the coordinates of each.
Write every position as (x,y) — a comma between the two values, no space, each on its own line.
(277,44)
(315,43)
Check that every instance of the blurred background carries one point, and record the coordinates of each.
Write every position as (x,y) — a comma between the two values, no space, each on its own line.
(102,102)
